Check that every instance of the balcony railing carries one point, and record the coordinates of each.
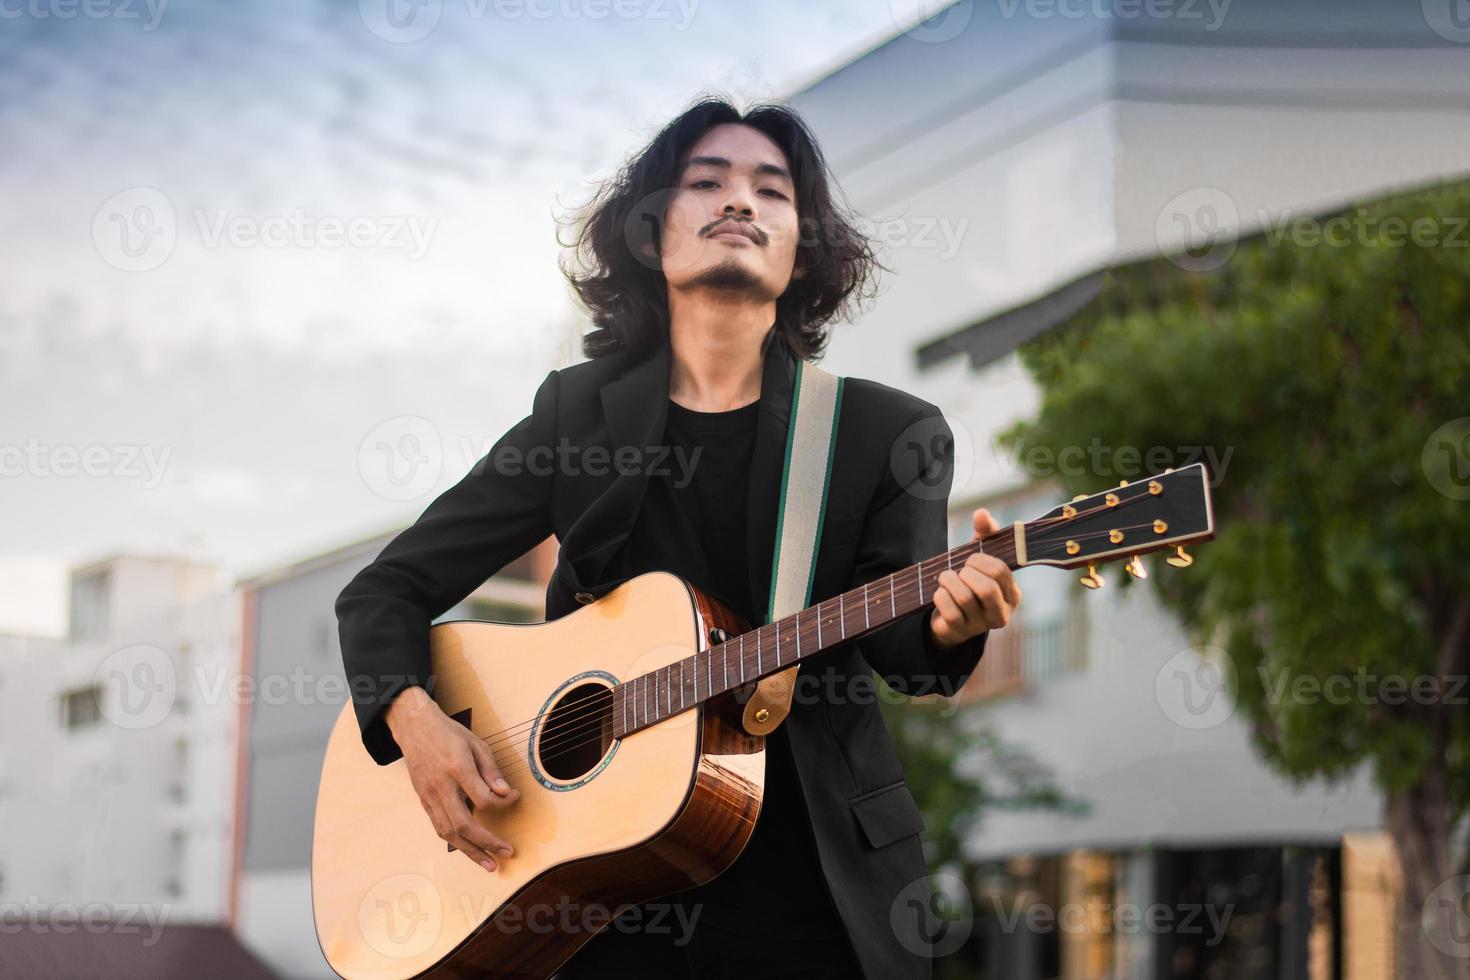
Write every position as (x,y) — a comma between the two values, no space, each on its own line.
(1024,655)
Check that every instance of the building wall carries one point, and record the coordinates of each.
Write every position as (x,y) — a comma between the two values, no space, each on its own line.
(123,798)
(1050,147)
(1055,147)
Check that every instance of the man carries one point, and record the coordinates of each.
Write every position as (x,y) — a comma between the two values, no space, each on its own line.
(704,290)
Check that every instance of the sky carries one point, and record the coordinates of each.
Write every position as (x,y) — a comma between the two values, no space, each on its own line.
(273,275)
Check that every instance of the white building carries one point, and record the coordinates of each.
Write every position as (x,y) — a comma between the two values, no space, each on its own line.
(116,765)
(1011,154)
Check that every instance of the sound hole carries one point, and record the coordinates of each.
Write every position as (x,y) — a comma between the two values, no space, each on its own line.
(577,732)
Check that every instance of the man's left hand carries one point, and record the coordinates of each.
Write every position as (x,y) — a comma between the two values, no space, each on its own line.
(980,595)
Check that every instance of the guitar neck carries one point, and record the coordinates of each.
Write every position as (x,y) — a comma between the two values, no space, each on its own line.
(653,697)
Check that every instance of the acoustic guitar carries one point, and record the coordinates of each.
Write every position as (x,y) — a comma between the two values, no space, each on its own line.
(620,725)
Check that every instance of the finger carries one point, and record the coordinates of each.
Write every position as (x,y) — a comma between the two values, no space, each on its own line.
(953,622)
(996,611)
(471,837)
(490,771)
(1001,572)
(436,816)
(984,523)
(466,778)
(444,827)
(962,596)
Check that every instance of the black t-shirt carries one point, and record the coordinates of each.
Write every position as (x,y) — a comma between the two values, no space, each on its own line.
(776,884)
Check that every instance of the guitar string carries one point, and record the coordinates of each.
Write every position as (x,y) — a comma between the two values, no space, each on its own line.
(1004,548)
(507,734)
(581,725)
(522,727)
(524,763)
(556,738)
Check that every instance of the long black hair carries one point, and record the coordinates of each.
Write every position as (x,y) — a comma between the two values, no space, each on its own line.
(615,266)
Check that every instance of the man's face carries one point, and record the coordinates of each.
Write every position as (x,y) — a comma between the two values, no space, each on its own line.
(735,180)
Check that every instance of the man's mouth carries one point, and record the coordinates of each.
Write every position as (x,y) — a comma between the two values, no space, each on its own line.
(732,230)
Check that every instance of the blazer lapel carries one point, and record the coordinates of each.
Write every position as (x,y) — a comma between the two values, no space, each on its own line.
(635,408)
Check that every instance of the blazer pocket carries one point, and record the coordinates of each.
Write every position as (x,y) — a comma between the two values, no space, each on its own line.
(842,530)
(887,814)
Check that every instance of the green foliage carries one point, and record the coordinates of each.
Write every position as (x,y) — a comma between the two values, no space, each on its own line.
(958,770)
(1321,370)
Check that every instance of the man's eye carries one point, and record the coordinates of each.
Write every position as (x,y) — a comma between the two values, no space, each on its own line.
(701,184)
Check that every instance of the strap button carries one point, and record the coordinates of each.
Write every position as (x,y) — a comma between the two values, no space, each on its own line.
(585,597)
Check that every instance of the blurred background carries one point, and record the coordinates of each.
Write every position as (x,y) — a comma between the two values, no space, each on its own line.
(275,275)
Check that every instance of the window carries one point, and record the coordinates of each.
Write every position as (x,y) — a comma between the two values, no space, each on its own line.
(81,708)
(91,604)
(181,690)
(177,786)
(173,882)
(321,640)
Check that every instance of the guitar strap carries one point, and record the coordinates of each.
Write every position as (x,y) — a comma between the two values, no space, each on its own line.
(811,439)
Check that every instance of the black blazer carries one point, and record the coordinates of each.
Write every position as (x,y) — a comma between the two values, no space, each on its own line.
(887,509)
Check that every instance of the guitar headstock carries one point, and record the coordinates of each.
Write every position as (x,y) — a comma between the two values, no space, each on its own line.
(1158,513)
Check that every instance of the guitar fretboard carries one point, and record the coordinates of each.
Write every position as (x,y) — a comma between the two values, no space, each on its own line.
(684,684)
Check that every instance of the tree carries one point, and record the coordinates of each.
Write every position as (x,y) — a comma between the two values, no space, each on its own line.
(959,769)
(1329,364)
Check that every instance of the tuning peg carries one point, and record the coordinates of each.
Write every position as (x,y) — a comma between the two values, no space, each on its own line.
(1135,567)
(1093,580)
(1180,558)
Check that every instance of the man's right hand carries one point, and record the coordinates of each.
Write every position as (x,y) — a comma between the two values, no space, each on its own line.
(453,772)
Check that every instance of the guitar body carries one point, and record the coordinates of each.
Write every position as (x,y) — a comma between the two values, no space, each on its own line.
(601,823)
